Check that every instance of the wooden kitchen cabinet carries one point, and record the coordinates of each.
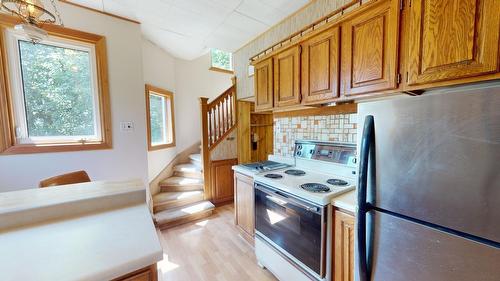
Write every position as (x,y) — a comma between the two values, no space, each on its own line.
(382,47)
(287,77)
(264,95)
(244,205)
(343,246)
(452,39)
(320,67)
(370,41)
(222,180)
(149,273)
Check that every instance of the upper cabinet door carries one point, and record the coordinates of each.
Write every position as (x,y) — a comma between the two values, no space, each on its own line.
(452,39)
(320,67)
(287,77)
(370,49)
(264,85)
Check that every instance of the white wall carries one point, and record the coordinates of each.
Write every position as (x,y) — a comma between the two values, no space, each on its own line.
(188,80)
(159,71)
(132,61)
(194,80)
(128,158)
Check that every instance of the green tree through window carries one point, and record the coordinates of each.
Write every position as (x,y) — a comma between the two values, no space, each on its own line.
(157,115)
(57,88)
(221,59)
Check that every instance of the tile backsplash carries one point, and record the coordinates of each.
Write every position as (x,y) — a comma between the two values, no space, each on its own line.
(336,128)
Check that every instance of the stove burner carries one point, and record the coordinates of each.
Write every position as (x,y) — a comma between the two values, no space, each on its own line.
(294,172)
(337,182)
(273,176)
(315,187)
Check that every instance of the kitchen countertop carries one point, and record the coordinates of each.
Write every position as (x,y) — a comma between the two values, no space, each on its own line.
(91,231)
(242,170)
(346,201)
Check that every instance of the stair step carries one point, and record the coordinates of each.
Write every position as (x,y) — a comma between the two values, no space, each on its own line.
(169,200)
(184,214)
(195,157)
(181,184)
(188,168)
(188,171)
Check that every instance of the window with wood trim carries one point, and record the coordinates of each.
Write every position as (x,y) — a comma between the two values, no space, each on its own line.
(160,118)
(54,93)
(221,61)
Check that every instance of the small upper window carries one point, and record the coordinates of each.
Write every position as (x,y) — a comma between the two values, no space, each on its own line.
(59,102)
(160,114)
(221,60)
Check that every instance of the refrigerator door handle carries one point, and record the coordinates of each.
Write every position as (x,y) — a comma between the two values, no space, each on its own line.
(366,152)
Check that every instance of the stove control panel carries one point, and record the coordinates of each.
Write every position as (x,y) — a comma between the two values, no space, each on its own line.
(331,152)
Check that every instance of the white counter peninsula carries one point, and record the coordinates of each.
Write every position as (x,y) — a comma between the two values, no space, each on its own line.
(88,231)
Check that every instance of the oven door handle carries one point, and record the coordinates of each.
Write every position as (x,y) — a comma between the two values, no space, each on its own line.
(281,199)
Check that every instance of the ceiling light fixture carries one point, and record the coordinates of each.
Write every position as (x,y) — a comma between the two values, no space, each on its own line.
(34,16)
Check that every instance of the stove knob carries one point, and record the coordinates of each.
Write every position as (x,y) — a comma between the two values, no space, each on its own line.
(299,153)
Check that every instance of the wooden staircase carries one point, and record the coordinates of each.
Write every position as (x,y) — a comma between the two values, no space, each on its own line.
(218,120)
(181,198)
(186,195)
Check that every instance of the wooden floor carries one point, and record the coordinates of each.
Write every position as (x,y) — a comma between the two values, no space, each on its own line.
(209,250)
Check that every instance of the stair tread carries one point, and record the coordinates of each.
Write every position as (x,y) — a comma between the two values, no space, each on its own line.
(195,157)
(184,211)
(181,181)
(168,196)
(188,168)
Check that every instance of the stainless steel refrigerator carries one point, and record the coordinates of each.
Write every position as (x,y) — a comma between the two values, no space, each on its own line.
(429,188)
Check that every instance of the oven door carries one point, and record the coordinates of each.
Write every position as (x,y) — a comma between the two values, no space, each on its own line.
(295,226)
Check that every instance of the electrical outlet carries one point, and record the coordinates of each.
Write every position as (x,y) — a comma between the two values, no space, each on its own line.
(127,126)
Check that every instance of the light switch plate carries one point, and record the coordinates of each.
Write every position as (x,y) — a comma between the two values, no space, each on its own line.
(127,126)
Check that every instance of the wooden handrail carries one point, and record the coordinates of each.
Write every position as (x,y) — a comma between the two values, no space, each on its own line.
(219,116)
(218,120)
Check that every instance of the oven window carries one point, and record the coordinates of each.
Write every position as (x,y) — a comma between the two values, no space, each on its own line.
(294,229)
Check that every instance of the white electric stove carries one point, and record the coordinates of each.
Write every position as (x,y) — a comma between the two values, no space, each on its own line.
(308,184)
(293,210)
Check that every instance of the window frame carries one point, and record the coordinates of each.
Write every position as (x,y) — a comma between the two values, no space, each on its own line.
(218,69)
(149,89)
(19,96)
(8,141)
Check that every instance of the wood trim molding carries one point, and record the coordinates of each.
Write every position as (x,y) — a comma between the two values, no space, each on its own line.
(334,18)
(205,152)
(98,11)
(167,94)
(309,3)
(317,111)
(217,69)
(8,143)
(149,273)
(222,138)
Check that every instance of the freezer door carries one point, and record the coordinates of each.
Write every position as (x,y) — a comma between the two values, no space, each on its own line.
(438,159)
(406,251)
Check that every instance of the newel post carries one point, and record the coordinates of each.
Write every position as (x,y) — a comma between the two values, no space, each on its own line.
(205,153)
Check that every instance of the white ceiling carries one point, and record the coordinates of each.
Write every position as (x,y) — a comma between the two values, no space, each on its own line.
(189,28)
